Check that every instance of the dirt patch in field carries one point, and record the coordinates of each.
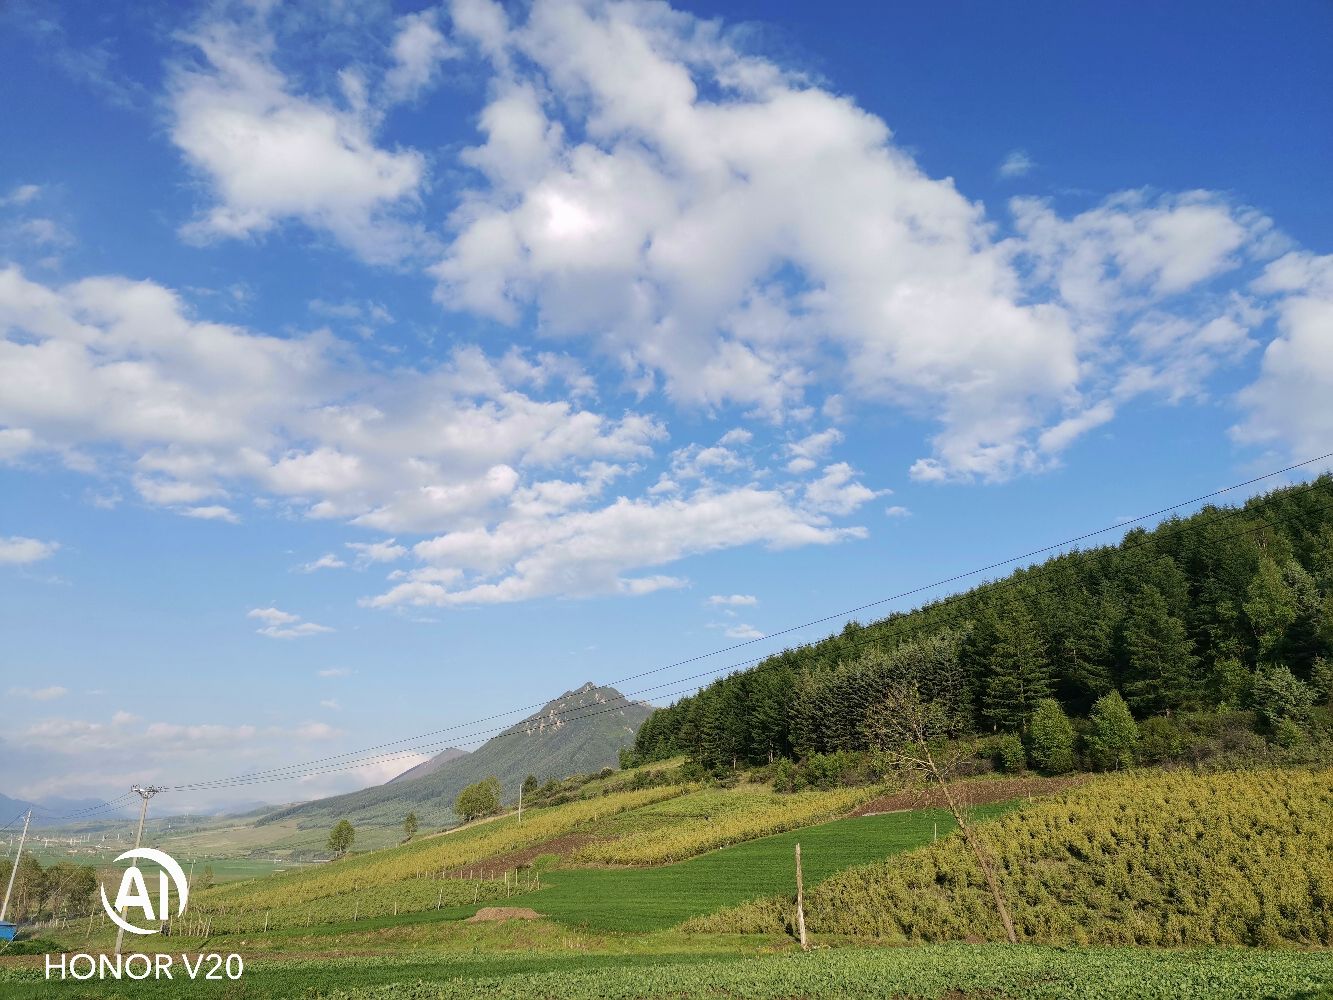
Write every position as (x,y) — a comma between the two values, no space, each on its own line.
(564,846)
(974,793)
(488,914)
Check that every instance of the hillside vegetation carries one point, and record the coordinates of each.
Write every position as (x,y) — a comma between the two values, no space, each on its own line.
(1228,610)
(1143,859)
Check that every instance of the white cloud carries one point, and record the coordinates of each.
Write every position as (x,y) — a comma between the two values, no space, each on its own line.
(733,600)
(710,220)
(1288,404)
(592,552)
(837,491)
(330,703)
(807,451)
(384,551)
(897,511)
(283,624)
(212,512)
(270,154)
(742,631)
(22,194)
(19,551)
(39,694)
(1016,163)
(327,561)
(418,49)
(335,672)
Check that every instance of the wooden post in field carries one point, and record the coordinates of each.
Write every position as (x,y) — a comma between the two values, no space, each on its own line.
(266,921)
(440,900)
(355,910)
(800,901)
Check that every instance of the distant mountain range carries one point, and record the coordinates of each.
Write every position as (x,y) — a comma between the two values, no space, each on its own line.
(48,811)
(579,732)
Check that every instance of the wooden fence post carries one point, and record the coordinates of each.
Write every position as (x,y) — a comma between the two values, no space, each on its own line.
(800,901)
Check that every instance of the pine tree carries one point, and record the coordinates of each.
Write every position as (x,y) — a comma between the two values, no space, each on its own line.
(1271,608)
(1018,672)
(1159,655)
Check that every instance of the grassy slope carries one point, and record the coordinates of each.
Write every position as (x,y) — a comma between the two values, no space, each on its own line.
(643,899)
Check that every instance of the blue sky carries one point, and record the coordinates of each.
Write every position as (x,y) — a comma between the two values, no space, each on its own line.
(370,368)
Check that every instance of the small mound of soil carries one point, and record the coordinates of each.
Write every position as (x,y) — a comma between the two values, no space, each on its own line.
(490,913)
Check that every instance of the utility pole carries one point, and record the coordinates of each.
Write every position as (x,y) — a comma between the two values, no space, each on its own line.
(15,870)
(145,792)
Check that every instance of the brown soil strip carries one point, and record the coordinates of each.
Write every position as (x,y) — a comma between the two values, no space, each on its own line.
(974,793)
(564,846)
(489,913)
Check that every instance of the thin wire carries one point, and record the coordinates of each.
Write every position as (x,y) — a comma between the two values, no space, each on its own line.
(295,771)
(869,636)
(357,754)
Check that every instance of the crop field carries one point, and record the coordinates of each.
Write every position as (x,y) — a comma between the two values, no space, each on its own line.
(924,972)
(1145,858)
(691,824)
(431,855)
(642,899)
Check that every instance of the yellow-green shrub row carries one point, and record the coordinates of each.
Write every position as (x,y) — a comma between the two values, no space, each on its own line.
(693,824)
(410,896)
(1146,859)
(429,856)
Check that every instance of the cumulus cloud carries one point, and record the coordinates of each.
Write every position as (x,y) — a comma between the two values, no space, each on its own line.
(327,561)
(1288,404)
(418,49)
(384,551)
(742,631)
(712,220)
(278,624)
(588,552)
(212,512)
(270,154)
(39,694)
(19,551)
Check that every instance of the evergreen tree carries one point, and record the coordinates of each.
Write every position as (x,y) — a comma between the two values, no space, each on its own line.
(1159,655)
(1018,673)
(1279,696)
(1271,608)
(410,825)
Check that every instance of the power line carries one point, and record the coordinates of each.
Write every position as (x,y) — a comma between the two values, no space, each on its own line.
(876,636)
(356,754)
(294,771)
(871,636)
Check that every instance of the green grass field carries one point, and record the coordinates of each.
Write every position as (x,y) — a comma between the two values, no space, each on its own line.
(642,899)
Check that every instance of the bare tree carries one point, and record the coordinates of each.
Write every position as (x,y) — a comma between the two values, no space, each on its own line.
(913,734)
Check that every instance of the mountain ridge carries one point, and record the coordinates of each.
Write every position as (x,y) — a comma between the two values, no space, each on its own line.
(581,731)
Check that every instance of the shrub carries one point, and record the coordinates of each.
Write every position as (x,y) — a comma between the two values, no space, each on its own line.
(787,777)
(1154,859)
(1278,695)
(1112,735)
(1009,754)
(1288,734)
(1052,738)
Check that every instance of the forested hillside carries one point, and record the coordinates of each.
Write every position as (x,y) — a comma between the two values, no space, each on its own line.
(1228,609)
